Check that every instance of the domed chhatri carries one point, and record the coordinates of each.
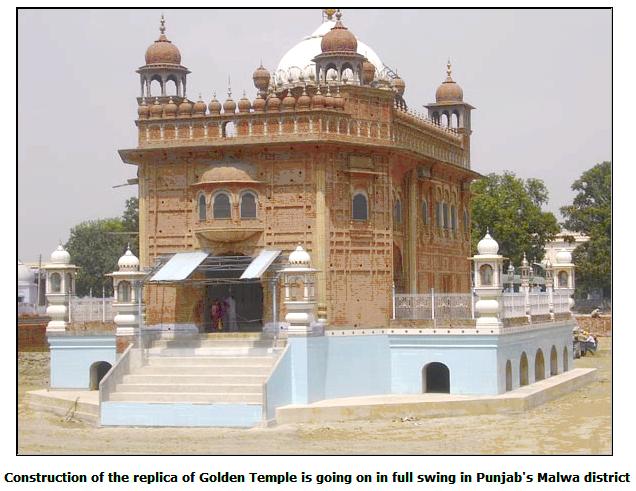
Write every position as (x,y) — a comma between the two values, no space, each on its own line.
(128,262)
(215,106)
(261,78)
(299,257)
(449,91)
(60,256)
(339,39)
(162,51)
(487,246)
(199,107)
(564,257)
(229,106)
(244,104)
(25,275)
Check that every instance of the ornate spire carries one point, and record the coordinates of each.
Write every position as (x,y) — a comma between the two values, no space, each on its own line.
(448,71)
(328,13)
(162,27)
(229,87)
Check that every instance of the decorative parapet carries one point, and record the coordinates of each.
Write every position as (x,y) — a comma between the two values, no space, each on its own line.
(408,131)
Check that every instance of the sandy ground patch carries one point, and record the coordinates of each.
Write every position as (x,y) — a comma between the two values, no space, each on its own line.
(578,423)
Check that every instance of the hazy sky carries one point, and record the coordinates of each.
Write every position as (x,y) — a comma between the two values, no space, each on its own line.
(540,80)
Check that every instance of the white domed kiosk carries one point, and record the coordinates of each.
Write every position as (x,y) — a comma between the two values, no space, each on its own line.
(60,285)
(127,288)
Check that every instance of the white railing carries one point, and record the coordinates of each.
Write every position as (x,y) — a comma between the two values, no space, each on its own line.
(513,305)
(90,309)
(539,303)
(561,302)
(435,306)
(30,309)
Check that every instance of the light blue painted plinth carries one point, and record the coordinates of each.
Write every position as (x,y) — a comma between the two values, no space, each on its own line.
(72,357)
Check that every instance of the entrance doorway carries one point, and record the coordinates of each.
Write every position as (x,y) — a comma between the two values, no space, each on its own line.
(97,372)
(436,378)
(240,306)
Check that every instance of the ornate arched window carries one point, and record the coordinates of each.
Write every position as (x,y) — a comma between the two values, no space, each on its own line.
(425,212)
(453,217)
(248,205)
(202,208)
(221,207)
(56,283)
(359,207)
(123,292)
(466,229)
(563,279)
(438,215)
(445,215)
(485,274)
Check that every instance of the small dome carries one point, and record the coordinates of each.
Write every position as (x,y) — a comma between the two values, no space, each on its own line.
(143,111)
(162,51)
(487,246)
(318,100)
(368,72)
(214,106)
(229,106)
(339,39)
(199,107)
(398,85)
(338,101)
(244,104)
(25,275)
(449,91)
(273,102)
(170,109)
(229,172)
(128,262)
(299,257)
(60,256)
(185,109)
(524,261)
(564,257)
(261,77)
(289,102)
(259,104)
(329,100)
(156,110)
(304,101)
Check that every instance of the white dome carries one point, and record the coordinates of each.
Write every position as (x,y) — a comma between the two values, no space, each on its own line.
(487,246)
(297,60)
(25,275)
(299,257)
(60,256)
(563,257)
(128,262)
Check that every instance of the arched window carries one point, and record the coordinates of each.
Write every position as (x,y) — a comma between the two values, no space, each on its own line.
(56,283)
(485,274)
(221,207)
(359,207)
(397,212)
(202,208)
(123,292)
(425,212)
(229,129)
(453,217)
(563,279)
(248,205)
(438,214)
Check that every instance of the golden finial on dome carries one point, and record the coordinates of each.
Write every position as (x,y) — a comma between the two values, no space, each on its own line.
(329,13)
(448,70)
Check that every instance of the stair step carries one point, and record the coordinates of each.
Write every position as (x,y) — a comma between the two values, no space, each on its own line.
(172,378)
(215,361)
(208,370)
(210,351)
(192,388)
(210,342)
(186,398)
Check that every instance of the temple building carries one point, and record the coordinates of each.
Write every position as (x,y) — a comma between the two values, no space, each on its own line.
(327,154)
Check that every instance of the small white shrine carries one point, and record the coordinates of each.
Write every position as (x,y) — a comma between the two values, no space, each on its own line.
(127,287)
(60,285)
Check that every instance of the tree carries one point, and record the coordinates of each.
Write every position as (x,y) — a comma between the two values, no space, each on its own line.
(511,209)
(591,214)
(96,246)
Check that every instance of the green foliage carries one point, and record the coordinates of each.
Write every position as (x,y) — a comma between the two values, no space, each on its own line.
(96,246)
(511,209)
(591,214)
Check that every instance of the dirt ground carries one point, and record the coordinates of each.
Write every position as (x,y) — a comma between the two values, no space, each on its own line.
(578,423)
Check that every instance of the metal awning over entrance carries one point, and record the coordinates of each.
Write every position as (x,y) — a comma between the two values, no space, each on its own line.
(180,267)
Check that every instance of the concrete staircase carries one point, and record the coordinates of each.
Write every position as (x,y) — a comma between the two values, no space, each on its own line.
(224,372)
